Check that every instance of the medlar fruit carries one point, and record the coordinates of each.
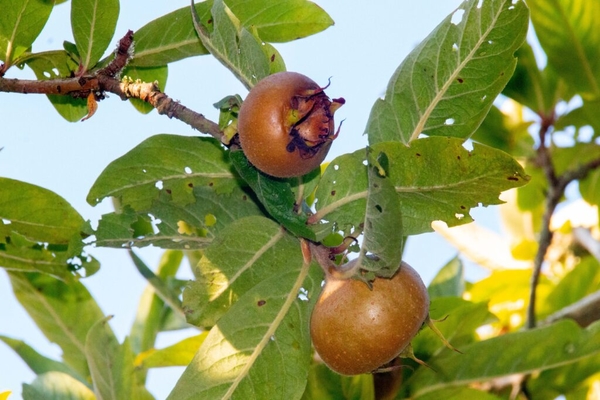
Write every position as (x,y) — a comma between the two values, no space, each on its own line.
(286,125)
(356,329)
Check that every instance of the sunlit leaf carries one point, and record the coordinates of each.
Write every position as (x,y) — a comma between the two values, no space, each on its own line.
(178,354)
(569,33)
(264,334)
(93,23)
(436,178)
(63,312)
(21,21)
(164,163)
(111,363)
(447,84)
(56,386)
(244,254)
(520,352)
(449,281)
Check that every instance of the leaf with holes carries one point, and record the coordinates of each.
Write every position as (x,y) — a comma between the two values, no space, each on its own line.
(170,225)
(21,21)
(435,178)
(40,231)
(447,84)
(260,349)
(93,23)
(164,163)
(241,257)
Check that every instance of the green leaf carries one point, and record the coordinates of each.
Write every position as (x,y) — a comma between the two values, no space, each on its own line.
(586,115)
(281,21)
(184,227)
(63,312)
(151,308)
(515,353)
(436,178)
(234,46)
(111,364)
(146,74)
(40,231)
(323,383)
(245,253)
(590,188)
(458,393)
(381,250)
(447,84)
(179,354)
(449,281)
(38,363)
(570,36)
(56,386)
(93,23)
(169,38)
(275,195)
(44,66)
(21,21)
(164,163)
(260,349)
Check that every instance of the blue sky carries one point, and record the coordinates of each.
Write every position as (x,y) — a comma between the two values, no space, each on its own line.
(360,53)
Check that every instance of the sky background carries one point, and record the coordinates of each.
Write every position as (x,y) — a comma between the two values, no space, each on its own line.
(360,52)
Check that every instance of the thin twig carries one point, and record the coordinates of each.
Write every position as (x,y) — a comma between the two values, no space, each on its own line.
(105,80)
(556,189)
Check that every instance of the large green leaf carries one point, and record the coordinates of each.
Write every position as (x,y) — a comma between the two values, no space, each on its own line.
(172,37)
(238,49)
(260,349)
(447,84)
(21,21)
(164,163)
(40,231)
(56,386)
(170,225)
(569,32)
(63,312)
(514,353)
(111,364)
(276,195)
(281,21)
(449,281)
(244,254)
(93,23)
(45,66)
(436,178)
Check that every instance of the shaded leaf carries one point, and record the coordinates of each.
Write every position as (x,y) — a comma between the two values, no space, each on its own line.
(40,231)
(164,163)
(56,386)
(449,281)
(436,179)
(21,21)
(586,115)
(45,65)
(264,334)
(245,253)
(111,364)
(570,36)
(458,393)
(63,312)
(179,354)
(323,383)
(520,352)
(235,47)
(38,363)
(381,250)
(93,23)
(447,84)
(275,195)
